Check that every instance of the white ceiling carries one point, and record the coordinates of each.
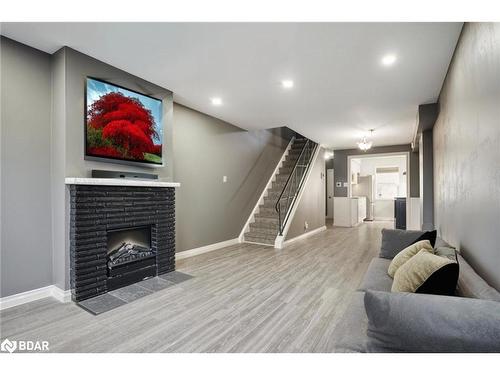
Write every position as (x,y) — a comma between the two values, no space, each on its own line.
(341,88)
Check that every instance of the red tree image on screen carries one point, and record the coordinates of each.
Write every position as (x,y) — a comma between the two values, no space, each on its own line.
(121,127)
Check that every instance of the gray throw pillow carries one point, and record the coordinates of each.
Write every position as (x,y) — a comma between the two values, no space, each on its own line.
(442,243)
(395,240)
(446,252)
(422,323)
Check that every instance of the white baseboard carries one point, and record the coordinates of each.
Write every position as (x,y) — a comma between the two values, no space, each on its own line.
(305,235)
(206,249)
(383,219)
(63,296)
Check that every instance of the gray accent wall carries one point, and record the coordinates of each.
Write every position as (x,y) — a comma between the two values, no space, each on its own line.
(77,67)
(311,208)
(467,152)
(340,166)
(26,255)
(206,149)
(70,69)
(60,235)
(426,167)
(42,142)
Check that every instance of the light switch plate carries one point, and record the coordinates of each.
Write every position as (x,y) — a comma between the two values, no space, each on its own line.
(224,179)
(346,184)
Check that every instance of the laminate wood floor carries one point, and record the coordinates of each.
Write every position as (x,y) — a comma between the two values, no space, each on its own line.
(243,298)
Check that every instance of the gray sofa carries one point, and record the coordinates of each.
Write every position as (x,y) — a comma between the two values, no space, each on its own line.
(377,320)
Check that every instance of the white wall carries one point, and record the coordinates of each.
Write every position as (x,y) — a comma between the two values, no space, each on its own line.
(355,168)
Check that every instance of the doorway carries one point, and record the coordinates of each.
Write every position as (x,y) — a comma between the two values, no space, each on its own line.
(383,181)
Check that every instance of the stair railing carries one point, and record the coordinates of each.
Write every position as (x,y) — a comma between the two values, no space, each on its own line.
(293,184)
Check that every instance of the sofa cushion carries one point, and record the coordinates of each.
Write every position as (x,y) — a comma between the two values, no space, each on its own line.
(427,273)
(376,277)
(441,243)
(447,252)
(406,322)
(404,255)
(395,240)
(471,285)
(349,335)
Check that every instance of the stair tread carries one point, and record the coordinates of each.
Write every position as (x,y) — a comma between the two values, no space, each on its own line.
(271,211)
(254,233)
(260,240)
(264,231)
(264,236)
(264,225)
(269,231)
(267,217)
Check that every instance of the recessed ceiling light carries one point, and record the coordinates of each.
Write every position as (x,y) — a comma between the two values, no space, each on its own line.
(216,101)
(389,59)
(287,83)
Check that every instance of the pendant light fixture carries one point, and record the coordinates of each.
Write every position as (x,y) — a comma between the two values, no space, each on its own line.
(366,144)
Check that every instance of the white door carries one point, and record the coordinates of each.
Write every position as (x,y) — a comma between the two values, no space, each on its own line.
(329,193)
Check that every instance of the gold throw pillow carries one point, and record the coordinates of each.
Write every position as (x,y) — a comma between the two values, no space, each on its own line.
(404,255)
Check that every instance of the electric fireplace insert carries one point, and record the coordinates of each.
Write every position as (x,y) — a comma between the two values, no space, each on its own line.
(130,257)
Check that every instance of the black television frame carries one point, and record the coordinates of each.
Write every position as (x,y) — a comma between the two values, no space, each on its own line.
(110,159)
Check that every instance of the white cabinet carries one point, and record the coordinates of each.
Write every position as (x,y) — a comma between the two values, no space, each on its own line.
(349,212)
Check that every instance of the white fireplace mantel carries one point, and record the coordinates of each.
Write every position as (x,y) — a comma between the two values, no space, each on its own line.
(119,182)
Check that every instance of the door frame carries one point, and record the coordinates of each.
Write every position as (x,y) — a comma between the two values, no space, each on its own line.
(385,154)
(332,190)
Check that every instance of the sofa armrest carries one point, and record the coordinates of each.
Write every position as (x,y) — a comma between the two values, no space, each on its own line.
(408,322)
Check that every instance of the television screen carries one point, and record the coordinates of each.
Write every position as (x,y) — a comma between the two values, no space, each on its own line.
(122,124)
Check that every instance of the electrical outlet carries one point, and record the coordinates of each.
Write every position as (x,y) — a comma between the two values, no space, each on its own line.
(306,225)
(224,179)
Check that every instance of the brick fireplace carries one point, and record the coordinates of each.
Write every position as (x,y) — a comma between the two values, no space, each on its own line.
(97,213)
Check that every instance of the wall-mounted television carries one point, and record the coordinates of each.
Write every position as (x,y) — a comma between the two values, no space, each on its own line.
(122,125)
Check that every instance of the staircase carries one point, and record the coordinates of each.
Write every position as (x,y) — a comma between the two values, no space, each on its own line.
(269,219)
